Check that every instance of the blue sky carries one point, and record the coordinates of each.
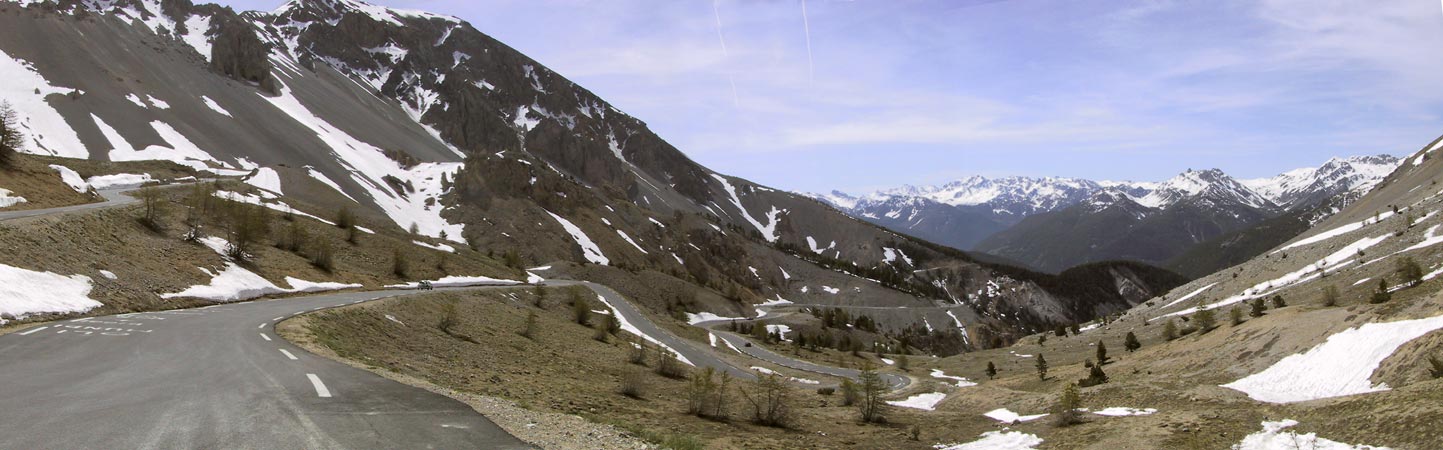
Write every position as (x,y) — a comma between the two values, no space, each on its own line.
(865,94)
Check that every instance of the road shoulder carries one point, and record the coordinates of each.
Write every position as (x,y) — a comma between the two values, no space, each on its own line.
(545,430)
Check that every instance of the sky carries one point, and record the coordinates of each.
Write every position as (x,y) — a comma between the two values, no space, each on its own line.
(860,95)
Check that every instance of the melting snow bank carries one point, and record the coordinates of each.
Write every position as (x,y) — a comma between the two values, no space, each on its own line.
(588,247)
(926,401)
(27,292)
(8,200)
(997,440)
(454,281)
(629,328)
(693,319)
(118,181)
(1273,437)
(1005,415)
(961,382)
(766,371)
(1339,366)
(236,283)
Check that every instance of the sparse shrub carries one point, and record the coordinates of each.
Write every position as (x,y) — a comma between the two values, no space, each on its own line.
(538,295)
(1330,296)
(1278,302)
(1041,365)
(448,318)
(771,402)
(11,139)
(1381,295)
(991,370)
(154,205)
(530,330)
(1435,366)
(1205,320)
(400,264)
(345,218)
(849,392)
(1060,331)
(612,325)
(826,391)
(1102,354)
(633,385)
(1235,316)
(323,256)
(871,388)
(668,366)
(903,363)
(600,335)
(1095,376)
(580,311)
(1041,339)
(1410,271)
(1067,406)
(701,392)
(916,433)
(1258,308)
(1169,330)
(638,354)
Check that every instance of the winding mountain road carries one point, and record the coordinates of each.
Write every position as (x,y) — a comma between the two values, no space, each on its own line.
(113,198)
(220,377)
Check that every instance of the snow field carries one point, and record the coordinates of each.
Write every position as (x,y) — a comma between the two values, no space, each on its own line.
(24,293)
(1341,365)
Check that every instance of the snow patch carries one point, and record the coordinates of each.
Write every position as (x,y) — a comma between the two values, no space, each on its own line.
(1341,365)
(589,249)
(1005,415)
(997,440)
(26,292)
(926,402)
(1274,437)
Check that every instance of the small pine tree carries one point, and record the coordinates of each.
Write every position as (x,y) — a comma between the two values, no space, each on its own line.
(1041,367)
(400,264)
(530,330)
(580,311)
(903,363)
(1067,407)
(1169,330)
(871,388)
(1060,331)
(1131,343)
(1278,302)
(1330,296)
(1410,271)
(1258,308)
(11,139)
(1205,320)
(1102,353)
(849,392)
(345,218)
(1381,295)
(1235,316)
(1095,376)
(991,370)
(323,256)
(1041,340)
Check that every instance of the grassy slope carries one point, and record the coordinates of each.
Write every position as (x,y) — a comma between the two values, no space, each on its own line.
(565,370)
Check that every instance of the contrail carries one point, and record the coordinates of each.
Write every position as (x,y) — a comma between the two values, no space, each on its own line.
(807,28)
(736,103)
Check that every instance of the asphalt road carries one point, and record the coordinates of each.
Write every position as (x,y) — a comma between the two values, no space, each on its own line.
(215,377)
(113,198)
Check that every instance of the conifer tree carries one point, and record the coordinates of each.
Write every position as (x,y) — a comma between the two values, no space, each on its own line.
(1102,353)
(1131,343)
(1041,367)
(991,370)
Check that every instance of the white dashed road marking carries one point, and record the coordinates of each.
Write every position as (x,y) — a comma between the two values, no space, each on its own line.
(278,318)
(36,330)
(262,326)
(289,355)
(263,335)
(321,390)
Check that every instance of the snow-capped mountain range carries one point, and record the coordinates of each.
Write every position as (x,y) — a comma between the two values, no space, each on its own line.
(1023,196)
(966,212)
